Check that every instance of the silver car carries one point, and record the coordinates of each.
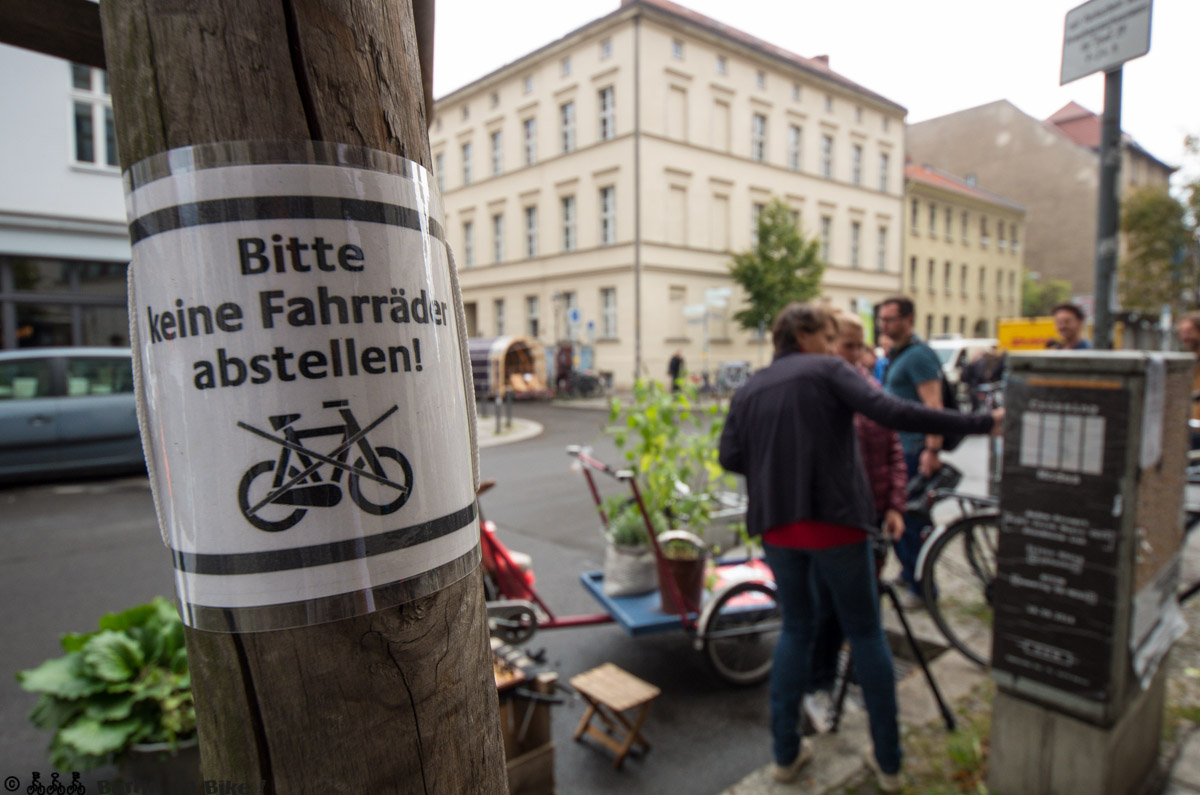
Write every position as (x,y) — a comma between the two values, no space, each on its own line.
(67,411)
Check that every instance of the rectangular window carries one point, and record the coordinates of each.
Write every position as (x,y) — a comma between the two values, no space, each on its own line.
(855,238)
(1013,231)
(495,99)
(856,164)
(529,85)
(677,49)
(466,112)
(530,127)
(760,79)
(982,281)
(999,286)
(949,224)
(962,281)
(497,238)
(884,164)
(756,211)
(795,92)
(571,301)
(827,156)
(608,126)
(531,316)
(794,141)
(439,172)
(932,276)
(983,232)
(565,67)
(1001,240)
(829,103)
(497,153)
(826,235)
(605,49)
(93,128)
(948,275)
(608,313)
(758,137)
(722,65)
(881,252)
(468,244)
(568,222)
(531,246)
(915,216)
(466,163)
(945,324)
(912,274)
(932,219)
(608,216)
(965,226)
(858,115)
(567,114)
(498,306)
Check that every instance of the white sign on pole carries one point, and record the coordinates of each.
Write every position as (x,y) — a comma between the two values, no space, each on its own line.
(718,296)
(1100,35)
(301,386)
(694,311)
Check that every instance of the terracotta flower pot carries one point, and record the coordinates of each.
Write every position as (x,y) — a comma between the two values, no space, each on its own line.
(687,572)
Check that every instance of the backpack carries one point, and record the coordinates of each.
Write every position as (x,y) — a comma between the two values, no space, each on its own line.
(950,441)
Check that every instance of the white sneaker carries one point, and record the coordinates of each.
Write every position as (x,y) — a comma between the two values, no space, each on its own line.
(786,773)
(818,708)
(909,600)
(887,782)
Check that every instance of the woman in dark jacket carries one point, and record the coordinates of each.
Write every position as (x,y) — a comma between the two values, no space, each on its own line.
(790,431)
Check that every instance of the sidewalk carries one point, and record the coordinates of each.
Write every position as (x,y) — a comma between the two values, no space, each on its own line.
(518,431)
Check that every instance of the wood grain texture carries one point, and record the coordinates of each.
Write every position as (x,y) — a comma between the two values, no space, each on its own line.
(401,700)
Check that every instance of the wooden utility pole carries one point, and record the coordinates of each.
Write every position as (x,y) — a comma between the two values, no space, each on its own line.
(400,700)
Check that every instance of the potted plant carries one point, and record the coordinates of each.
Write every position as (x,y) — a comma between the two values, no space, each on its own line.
(119,695)
(628,558)
(671,444)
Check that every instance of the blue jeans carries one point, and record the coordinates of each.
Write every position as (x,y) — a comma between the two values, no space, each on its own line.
(909,545)
(849,574)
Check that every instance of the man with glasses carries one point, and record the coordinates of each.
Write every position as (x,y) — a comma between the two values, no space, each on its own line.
(913,373)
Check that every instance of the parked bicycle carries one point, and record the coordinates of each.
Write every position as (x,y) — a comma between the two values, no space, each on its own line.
(379,481)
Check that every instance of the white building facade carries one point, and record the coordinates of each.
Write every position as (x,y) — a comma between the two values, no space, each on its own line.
(64,246)
(609,176)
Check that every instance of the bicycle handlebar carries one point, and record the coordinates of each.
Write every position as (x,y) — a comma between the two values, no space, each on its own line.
(594,463)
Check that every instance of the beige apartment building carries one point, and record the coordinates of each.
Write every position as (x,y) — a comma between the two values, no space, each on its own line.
(964,254)
(1051,166)
(596,188)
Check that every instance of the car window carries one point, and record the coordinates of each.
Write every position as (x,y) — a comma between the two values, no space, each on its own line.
(99,375)
(22,379)
(943,354)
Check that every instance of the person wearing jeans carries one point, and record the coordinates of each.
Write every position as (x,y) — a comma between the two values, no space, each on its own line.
(790,431)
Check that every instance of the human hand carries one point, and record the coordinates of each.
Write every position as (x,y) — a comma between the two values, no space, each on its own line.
(929,462)
(998,422)
(893,523)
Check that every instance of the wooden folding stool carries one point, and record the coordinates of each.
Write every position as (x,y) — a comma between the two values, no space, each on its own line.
(610,691)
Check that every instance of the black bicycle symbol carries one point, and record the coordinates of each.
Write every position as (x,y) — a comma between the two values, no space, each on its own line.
(299,483)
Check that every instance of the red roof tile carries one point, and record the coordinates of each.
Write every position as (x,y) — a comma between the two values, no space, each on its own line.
(940,179)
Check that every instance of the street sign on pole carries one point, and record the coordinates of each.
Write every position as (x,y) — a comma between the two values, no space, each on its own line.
(694,311)
(718,296)
(1100,35)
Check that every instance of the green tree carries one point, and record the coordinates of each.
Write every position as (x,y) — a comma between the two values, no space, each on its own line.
(1159,267)
(1039,296)
(782,266)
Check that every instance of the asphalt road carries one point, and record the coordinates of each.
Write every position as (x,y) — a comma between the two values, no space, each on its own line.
(70,552)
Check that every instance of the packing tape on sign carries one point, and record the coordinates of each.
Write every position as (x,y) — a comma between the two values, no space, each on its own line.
(304,390)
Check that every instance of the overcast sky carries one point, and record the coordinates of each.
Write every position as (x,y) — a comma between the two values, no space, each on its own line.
(931,56)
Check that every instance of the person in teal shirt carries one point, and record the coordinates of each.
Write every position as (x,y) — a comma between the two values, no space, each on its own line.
(913,373)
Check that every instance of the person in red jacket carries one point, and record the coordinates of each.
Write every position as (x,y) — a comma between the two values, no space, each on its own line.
(883,460)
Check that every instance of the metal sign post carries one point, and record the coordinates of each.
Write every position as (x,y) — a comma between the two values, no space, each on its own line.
(1100,36)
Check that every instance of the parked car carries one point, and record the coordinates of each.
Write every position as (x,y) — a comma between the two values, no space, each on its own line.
(67,411)
(957,352)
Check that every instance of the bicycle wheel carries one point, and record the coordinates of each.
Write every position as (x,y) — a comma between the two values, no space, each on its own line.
(738,630)
(380,498)
(261,490)
(958,579)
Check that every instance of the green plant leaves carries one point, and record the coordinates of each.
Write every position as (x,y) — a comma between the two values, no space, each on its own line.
(97,738)
(51,712)
(113,656)
(64,677)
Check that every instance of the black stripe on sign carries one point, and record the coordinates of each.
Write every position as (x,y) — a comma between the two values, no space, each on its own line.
(322,554)
(260,208)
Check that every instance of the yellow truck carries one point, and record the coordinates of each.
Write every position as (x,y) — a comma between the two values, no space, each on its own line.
(1032,333)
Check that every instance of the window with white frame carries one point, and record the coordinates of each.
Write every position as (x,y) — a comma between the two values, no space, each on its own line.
(530,128)
(794,141)
(982,281)
(605,48)
(932,219)
(92,117)
(760,79)
(949,223)
(932,276)
(948,276)
(884,165)
(856,156)
(466,163)
(498,238)
(567,203)
(608,127)
(677,49)
(881,249)
(858,115)
(466,112)
(567,116)
(827,156)
(829,103)
(531,225)
(1015,245)
(495,99)
(565,67)
(795,92)
(962,280)
(758,137)
(999,286)
(528,85)
(1012,285)
(722,65)
(965,225)
(608,312)
(983,231)
(855,240)
(912,274)
(915,216)
(608,216)
(826,237)
(531,316)
(497,153)
(498,309)
(1001,240)
(439,171)
(468,251)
